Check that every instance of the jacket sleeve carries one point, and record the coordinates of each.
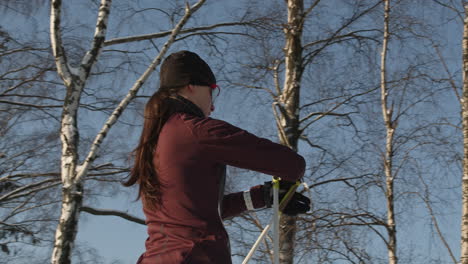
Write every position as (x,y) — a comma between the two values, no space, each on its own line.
(230,145)
(233,146)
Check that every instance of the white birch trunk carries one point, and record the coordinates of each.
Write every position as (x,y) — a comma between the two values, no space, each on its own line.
(75,79)
(289,105)
(388,157)
(464,103)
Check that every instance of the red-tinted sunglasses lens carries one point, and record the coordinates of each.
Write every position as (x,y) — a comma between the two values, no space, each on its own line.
(214,86)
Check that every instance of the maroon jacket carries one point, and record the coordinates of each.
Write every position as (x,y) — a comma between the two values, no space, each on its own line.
(190,158)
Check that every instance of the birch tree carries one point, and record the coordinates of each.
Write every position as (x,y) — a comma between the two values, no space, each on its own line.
(74,80)
(287,107)
(293,119)
(406,134)
(72,171)
(342,221)
(460,10)
(390,126)
(464,102)
(288,103)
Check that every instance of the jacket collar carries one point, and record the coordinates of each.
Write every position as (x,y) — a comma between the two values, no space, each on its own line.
(180,104)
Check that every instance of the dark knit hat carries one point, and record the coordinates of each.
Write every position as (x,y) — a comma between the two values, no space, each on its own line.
(183,68)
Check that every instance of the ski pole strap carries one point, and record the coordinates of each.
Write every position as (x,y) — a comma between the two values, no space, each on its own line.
(248,201)
(276,183)
(267,194)
(287,197)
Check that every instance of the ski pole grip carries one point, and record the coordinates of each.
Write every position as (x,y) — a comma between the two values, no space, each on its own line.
(287,197)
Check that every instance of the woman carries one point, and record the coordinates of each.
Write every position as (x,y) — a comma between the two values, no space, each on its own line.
(180,166)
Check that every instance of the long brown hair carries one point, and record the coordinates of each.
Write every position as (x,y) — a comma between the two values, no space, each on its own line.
(157,112)
(177,71)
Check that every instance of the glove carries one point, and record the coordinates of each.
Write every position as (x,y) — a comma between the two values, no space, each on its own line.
(299,204)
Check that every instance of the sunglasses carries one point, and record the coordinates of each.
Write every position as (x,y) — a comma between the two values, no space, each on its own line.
(214,96)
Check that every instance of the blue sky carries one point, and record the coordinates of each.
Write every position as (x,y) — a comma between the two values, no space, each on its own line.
(119,241)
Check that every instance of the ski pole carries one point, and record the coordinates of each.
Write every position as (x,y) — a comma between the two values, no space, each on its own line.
(282,205)
(276,185)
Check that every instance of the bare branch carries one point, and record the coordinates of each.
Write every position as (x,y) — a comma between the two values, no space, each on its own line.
(450,78)
(31,188)
(330,112)
(459,14)
(280,128)
(56,42)
(123,215)
(98,40)
(308,58)
(168,33)
(340,38)
(311,7)
(337,180)
(427,202)
(273,95)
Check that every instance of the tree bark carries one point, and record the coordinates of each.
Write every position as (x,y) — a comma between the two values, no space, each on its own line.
(289,106)
(74,80)
(464,103)
(390,126)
